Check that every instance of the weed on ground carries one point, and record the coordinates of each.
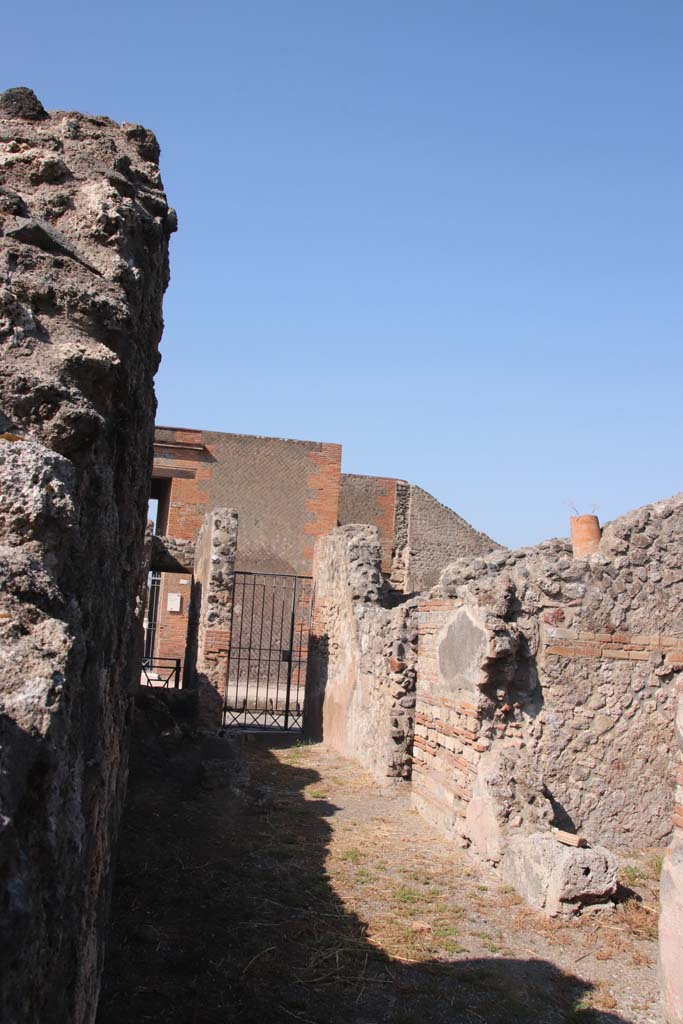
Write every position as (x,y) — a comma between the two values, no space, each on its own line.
(339,904)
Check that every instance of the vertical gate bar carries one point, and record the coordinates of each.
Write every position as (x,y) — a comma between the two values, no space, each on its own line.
(152,614)
(270,640)
(230,648)
(239,649)
(251,634)
(281,640)
(291,655)
(301,640)
(260,639)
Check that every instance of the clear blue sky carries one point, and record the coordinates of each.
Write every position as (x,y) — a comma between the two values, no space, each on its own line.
(445,234)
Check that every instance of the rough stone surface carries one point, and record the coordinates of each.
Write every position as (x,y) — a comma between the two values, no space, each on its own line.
(360,695)
(578,669)
(169,554)
(559,879)
(211,611)
(84,228)
(507,801)
(671,897)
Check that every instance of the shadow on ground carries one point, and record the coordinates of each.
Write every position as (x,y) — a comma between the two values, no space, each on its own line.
(223,912)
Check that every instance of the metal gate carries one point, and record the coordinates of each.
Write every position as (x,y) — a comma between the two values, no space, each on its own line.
(266,678)
(151,614)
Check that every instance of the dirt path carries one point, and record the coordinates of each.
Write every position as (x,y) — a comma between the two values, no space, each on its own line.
(339,904)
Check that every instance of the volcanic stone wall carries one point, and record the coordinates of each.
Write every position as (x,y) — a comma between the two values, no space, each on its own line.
(210,618)
(360,691)
(563,668)
(84,230)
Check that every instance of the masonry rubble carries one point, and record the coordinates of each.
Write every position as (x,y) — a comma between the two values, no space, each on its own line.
(84,231)
(361,667)
(544,695)
(171,554)
(211,611)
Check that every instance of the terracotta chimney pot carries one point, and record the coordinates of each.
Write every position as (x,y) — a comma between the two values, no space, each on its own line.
(586,534)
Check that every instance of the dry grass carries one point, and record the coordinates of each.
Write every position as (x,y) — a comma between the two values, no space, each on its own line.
(343,910)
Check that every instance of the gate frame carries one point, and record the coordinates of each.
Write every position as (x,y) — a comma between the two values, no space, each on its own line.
(307,590)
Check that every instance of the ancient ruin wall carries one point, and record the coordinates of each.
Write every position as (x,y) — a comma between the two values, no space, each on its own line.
(371,500)
(418,535)
(210,620)
(436,537)
(84,229)
(286,492)
(360,690)
(566,666)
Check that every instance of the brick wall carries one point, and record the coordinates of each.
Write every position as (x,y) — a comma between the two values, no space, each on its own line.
(571,667)
(595,722)
(437,536)
(448,729)
(419,536)
(286,494)
(323,483)
(371,500)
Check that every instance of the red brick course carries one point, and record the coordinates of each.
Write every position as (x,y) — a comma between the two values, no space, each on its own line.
(322,504)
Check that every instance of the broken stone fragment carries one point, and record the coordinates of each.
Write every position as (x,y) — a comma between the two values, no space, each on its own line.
(11,202)
(559,879)
(49,171)
(22,102)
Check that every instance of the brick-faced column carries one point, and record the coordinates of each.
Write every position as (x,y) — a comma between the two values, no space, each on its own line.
(322,504)
(671,896)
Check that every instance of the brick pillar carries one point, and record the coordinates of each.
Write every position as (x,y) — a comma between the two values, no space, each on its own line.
(322,504)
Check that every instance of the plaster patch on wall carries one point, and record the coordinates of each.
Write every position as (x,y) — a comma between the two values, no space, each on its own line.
(461,652)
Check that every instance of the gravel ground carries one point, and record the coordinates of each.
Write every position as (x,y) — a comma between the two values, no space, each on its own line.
(337,903)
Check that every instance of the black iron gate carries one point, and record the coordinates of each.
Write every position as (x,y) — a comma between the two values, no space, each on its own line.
(266,679)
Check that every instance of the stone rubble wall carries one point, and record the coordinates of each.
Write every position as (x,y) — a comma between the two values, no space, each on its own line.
(562,670)
(84,231)
(211,612)
(169,554)
(360,691)
(400,552)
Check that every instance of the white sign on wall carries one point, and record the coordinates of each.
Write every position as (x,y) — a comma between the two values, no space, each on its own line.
(173,603)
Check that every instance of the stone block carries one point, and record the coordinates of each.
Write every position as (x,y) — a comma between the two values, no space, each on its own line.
(558,879)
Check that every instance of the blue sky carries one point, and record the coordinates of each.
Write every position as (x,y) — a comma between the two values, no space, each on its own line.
(447,235)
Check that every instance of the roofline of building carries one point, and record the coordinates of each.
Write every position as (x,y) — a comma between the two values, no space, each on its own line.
(258,437)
